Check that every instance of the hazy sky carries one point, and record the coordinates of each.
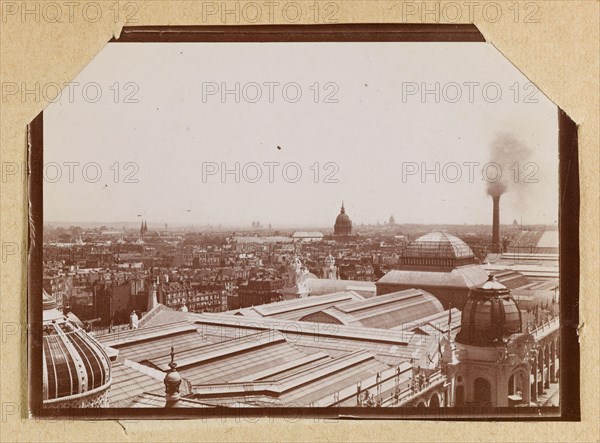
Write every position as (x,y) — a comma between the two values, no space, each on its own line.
(374,132)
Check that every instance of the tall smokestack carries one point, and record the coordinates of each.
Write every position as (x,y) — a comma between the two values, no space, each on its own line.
(496,244)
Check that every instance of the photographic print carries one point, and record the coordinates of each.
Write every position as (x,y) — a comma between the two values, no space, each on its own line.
(367,228)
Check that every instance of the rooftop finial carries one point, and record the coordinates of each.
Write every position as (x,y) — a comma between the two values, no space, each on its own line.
(172,364)
(172,382)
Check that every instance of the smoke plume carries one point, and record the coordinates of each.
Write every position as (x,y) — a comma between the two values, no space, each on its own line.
(510,155)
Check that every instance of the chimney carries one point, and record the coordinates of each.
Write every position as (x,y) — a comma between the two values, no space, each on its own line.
(496,243)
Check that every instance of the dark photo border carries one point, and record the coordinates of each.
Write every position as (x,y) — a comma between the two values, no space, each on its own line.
(569,201)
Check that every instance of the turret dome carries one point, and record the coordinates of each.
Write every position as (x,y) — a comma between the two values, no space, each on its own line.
(489,316)
(76,370)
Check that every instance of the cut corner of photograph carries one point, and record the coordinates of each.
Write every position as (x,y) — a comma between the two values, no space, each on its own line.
(330,226)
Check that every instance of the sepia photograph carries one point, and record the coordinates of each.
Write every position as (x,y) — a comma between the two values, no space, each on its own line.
(345,228)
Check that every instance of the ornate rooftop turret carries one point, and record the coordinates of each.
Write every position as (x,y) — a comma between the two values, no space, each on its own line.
(330,260)
(152,298)
(329,268)
(297,274)
(489,316)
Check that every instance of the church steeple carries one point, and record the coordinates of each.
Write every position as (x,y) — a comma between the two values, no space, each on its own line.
(144,227)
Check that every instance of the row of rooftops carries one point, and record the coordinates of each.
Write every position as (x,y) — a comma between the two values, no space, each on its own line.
(274,363)
(350,308)
(267,355)
(300,352)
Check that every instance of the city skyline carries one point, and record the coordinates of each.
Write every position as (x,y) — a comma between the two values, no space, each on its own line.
(159,225)
(397,239)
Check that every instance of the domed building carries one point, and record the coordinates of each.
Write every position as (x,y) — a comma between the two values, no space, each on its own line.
(343,224)
(437,250)
(439,263)
(76,370)
(491,359)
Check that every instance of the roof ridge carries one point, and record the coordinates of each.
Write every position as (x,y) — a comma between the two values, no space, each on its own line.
(223,349)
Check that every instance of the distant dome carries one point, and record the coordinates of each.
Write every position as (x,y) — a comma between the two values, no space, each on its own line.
(342,220)
(76,370)
(439,245)
(489,315)
(343,224)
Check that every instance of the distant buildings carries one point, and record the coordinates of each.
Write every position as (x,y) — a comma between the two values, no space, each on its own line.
(58,287)
(258,291)
(180,295)
(535,242)
(342,320)
(114,301)
(534,254)
(307,236)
